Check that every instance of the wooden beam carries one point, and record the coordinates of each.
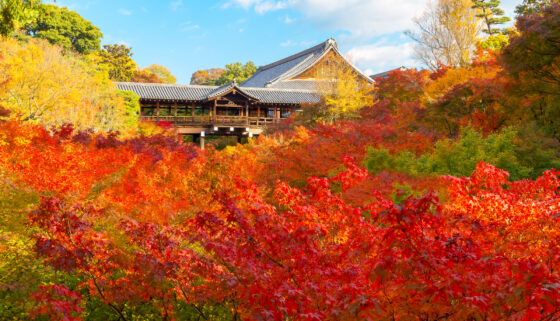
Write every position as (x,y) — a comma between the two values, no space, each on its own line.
(192,112)
(258,114)
(175,110)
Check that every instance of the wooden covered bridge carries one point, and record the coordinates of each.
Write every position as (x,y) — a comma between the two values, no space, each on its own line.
(274,92)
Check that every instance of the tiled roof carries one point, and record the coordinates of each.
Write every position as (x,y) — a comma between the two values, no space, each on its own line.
(386,73)
(267,74)
(168,92)
(305,84)
(287,68)
(226,88)
(284,96)
(201,93)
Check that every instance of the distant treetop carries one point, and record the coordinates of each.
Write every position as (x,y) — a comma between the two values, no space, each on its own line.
(532,6)
(162,73)
(207,77)
(491,14)
(237,71)
(65,28)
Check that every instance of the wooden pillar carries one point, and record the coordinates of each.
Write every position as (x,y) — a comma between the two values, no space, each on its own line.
(175,112)
(192,112)
(258,114)
(247,113)
(202,142)
(157,111)
(214,112)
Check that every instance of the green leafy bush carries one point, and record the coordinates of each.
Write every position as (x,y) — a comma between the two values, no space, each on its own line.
(521,157)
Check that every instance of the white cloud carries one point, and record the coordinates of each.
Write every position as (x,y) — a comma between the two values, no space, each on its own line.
(289,20)
(176,4)
(189,26)
(381,57)
(125,12)
(361,18)
(290,43)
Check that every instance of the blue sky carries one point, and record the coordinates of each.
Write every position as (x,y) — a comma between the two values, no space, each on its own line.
(189,35)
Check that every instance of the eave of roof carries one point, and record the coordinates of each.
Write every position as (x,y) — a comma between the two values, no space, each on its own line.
(196,93)
(225,89)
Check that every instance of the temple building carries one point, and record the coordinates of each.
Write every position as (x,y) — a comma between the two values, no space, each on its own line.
(274,92)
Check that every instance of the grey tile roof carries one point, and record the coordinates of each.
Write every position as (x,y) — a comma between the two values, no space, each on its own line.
(225,88)
(287,68)
(284,96)
(201,93)
(270,72)
(168,92)
(386,73)
(305,84)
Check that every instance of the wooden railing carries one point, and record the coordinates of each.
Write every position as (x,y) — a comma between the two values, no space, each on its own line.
(209,120)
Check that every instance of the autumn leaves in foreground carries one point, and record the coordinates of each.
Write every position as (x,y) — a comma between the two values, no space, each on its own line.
(151,226)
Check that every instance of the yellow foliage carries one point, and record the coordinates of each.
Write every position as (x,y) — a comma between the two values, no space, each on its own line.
(47,87)
(455,76)
(344,93)
(447,33)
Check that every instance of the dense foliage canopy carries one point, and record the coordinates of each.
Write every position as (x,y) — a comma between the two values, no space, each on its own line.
(236,71)
(437,200)
(66,28)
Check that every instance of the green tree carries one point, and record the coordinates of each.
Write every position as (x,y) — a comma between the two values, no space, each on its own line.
(132,103)
(65,28)
(117,60)
(491,14)
(531,6)
(237,71)
(495,42)
(163,73)
(522,157)
(15,13)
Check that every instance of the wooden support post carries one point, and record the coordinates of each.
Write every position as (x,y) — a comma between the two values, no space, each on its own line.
(202,142)
(258,114)
(157,111)
(192,112)
(175,112)
(247,113)
(214,112)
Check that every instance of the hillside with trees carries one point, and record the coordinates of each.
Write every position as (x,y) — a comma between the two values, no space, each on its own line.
(434,197)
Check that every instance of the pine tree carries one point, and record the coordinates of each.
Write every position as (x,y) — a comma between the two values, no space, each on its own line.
(531,6)
(491,14)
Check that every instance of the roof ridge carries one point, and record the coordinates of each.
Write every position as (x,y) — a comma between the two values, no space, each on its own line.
(164,85)
(280,89)
(324,45)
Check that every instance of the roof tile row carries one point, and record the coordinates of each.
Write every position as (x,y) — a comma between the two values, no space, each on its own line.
(201,93)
